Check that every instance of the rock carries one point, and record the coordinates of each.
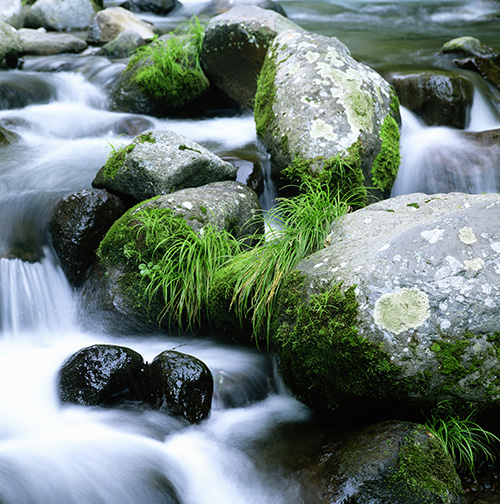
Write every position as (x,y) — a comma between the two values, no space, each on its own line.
(8,137)
(160,7)
(389,462)
(109,23)
(10,46)
(60,15)
(11,13)
(182,385)
(77,225)
(315,102)
(486,68)
(102,375)
(123,45)
(469,46)
(400,310)
(160,162)
(216,7)
(438,97)
(234,48)
(18,92)
(41,43)
(228,206)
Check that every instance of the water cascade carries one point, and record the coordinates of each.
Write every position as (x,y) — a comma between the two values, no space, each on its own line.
(79,455)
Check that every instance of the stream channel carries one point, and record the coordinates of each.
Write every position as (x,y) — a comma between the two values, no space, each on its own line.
(77,455)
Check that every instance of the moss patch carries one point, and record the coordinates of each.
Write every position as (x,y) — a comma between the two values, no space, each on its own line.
(425,471)
(386,164)
(322,358)
(265,95)
(342,172)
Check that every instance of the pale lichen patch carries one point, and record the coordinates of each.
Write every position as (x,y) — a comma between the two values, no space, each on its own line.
(321,129)
(474,264)
(467,235)
(311,57)
(188,205)
(432,235)
(403,310)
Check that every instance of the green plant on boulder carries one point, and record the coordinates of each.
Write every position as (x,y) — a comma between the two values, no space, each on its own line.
(169,70)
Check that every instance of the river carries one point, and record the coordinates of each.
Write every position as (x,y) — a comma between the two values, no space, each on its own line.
(78,455)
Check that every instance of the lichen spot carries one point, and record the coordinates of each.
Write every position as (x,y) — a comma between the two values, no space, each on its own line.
(432,235)
(320,129)
(188,205)
(311,57)
(466,235)
(474,264)
(403,310)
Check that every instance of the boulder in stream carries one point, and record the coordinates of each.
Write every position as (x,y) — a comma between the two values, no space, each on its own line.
(438,97)
(60,15)
(399,310)
(40,43)
(321,113)
(77,225)
(102,375)
(234,48)
(109,23)
(216,7)
(160,162)
(182,385)
(10,46)
(160,7)
(123,45)
(11,12)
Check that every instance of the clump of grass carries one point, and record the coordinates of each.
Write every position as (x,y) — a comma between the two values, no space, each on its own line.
(306,220)
(464,439)
(170,70)
(179,263)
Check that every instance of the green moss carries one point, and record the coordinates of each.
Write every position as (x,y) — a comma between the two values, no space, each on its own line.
(265,95)
(386,164)
(115,161)
(169,71)
(322,358)
(342,172)
(425,472)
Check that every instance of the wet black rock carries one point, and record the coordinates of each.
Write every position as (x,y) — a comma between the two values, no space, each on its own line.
(102,375)
(77,225)
(182,385)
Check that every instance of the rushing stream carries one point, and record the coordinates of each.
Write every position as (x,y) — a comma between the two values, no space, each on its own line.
(52,454)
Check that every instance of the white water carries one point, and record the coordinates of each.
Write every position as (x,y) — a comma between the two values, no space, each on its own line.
(77,455)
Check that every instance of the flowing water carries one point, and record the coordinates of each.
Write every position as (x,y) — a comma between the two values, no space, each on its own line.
(52,454)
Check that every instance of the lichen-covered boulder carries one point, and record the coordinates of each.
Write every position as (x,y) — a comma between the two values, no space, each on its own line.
(102,375)
(314,102)
(41,43)
(438,97)
(160,162)
(234,48)
(224,206)
(77,225)
(396,462)
(181,385)
(216,7)
(400,310)
(59,15)
(11,12)
(10,46)
(107,24)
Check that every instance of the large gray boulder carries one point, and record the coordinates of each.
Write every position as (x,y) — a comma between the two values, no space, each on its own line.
(116,285)
(161,162)
(11,13)
(235,46)
(41,43)
(438,97)
(400,309)
(315,102)
(123,45)
(59,15)
(10,46)
(109,23)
